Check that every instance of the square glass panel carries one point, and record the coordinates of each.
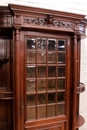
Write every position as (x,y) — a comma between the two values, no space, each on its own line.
(31,71)
(51,110)
(29,111)
(51,57)
(61,83)
(51,84)
(41,71)
(41,112)
(51,98)
(51,71)
(61,97)
(61,45)
(61,58)
(41,57)
(30,57)
(41,84)
(30,85)
(51,44)
(31,43)
(41,44)
(61,71)
(41,98)
(31,100)
(60,109)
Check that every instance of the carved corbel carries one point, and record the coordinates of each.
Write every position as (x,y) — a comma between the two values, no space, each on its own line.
(79,27)
(17,20)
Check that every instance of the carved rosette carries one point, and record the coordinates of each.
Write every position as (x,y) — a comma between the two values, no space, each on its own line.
(79,27)
(49,21)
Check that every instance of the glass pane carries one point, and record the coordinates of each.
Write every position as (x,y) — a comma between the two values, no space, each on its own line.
(30,85)
(61,71)
(41,98)
(41,44)
(30,57)
(41,71)
(51,84)
(29,111)
(41,112)
(30,71)
(41,85)
(61,58)
(51,57)
(31,100)
(41,57)
(51,71)
(61,45)
(51,111)
(60,109)
(51,44)
(31,43)
(61,83)
(51,98)
(61,97)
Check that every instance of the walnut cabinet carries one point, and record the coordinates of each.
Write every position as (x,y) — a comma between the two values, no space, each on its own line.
(40,68)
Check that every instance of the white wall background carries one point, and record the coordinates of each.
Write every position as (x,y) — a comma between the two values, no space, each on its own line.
(74,6)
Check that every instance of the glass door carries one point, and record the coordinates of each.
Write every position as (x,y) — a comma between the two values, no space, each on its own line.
(46,79)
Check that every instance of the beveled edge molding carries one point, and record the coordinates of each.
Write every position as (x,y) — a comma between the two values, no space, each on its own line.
(6,95)
(81,88)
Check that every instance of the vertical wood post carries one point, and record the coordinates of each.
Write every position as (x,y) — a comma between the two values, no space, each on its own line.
(17,78)
(74,82)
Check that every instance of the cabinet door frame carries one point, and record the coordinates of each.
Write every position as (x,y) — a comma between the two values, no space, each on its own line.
(23,36)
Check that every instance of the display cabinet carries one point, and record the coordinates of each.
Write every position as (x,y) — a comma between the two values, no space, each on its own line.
(40,68)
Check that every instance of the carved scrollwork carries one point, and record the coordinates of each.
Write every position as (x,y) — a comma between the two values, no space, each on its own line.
(81,88)
(46,22)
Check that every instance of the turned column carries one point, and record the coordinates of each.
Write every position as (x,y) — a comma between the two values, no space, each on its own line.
(17,79)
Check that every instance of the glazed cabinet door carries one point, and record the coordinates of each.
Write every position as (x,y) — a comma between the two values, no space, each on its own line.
(6,95)
(45,81)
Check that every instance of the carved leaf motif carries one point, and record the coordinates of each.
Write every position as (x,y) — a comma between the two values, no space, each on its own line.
(41,21)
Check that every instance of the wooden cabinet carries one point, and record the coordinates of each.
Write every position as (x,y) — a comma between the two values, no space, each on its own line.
(40,78)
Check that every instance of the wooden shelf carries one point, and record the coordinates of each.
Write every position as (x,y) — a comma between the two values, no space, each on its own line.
(79,121)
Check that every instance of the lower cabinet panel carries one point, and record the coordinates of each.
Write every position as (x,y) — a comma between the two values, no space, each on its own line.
(50,126)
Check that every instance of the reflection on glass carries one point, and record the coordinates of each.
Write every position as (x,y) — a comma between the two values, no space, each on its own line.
(51,71)
(61,83)
(51,57)
(29,111)
(60,109)
(41,57)
(61,97)
(30,57)
(51,44)
(51,97)
(41,71)
(41,85)
(41,98)
(41,44)
(41,112)
(31,71)
(51,84)
(61,58)
(31,100)
(61,45)
(31,43)
(61,71)
(51,110)
(30,85)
